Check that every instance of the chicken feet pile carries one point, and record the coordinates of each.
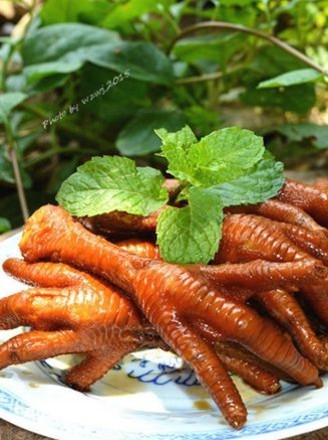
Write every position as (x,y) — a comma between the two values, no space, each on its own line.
(71,312)
(244,313)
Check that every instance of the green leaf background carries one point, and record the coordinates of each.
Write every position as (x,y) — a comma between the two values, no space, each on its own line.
(138,137)
(292,78)
(208,80)
(65,48)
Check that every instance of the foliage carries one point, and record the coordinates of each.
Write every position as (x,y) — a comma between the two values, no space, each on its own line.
(93,77)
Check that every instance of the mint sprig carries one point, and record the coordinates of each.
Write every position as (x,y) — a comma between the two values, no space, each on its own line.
(228,167)
(219,157)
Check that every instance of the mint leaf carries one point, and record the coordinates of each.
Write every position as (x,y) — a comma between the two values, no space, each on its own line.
(175,148)
(299,76)
(191,234)
(261,183)
(219,157)
(224,155)
(106,184)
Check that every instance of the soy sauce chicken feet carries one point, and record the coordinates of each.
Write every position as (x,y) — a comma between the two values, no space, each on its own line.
(71,312)
(70,290)
(172,297)
(280,304)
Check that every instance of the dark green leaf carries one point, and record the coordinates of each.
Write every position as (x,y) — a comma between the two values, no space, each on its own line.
(120,97)
(271,61)
(316,134)
(67,47)
(25,141)
(61,173)
(47,83)
(63,48)
(298,99)
(18,83)
(68,41)
(240,15)
(8,101)
(6,170)
(4,225)
(39,71)
(191,234)
(204,120)
(138,136)
(143,60)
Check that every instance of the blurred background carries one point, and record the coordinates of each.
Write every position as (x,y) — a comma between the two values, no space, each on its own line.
(80,78)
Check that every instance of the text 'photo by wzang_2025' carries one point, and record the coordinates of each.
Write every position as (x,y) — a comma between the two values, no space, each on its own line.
(253,301)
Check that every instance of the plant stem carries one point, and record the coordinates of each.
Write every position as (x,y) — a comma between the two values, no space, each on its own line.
(221,25)
(208,76)
(200,78)
(170,20)
(17,174)
(11,142)
(5,67)
(31,11)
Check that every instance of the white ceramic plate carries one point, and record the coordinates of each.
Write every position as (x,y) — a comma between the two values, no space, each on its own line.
(150,395)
